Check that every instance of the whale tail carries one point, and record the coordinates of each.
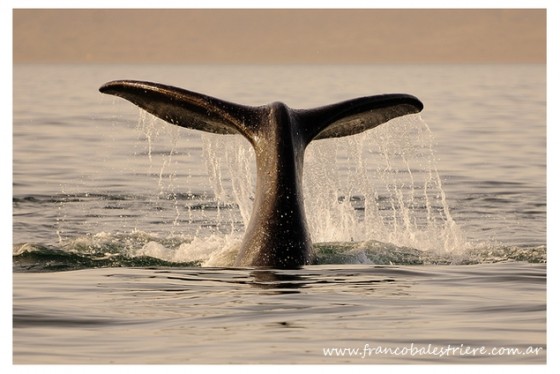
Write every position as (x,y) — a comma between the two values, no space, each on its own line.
(201,112)
(277,234)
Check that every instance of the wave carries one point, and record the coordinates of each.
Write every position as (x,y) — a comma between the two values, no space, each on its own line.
(140,249)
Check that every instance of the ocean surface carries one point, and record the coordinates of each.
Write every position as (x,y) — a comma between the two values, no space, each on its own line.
(429,231)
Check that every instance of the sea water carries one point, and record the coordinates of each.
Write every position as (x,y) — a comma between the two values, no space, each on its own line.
(430,231)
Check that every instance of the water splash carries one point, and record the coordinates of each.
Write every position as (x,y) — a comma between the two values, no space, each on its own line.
(151,129)
(230,162)
(380,185)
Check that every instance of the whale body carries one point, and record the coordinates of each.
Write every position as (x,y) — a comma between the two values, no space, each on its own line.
(277,235)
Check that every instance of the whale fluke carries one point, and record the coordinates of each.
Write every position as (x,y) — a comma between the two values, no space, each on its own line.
(277,234)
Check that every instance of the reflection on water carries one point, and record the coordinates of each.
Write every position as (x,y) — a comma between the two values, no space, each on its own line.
(277,282)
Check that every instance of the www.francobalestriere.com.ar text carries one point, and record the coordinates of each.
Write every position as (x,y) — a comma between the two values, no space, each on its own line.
(370,350)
